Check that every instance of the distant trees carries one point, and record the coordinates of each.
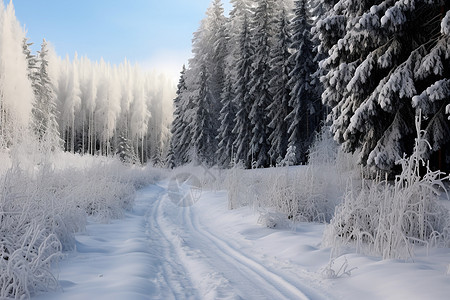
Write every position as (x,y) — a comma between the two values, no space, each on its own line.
(81,106)
(112,110)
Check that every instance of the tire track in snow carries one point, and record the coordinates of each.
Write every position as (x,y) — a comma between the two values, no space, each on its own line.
(173,274)
(292,288)
(208,280)
(268,284)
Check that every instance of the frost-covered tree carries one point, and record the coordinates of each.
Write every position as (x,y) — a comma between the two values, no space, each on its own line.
(139,116)
(88,87)
(108,107)
(263,29)
(16,93)
(281,68)
(113,108)
(306,112)
(32,65)
(96,108)
(69,101)
(44,111)
(381,55)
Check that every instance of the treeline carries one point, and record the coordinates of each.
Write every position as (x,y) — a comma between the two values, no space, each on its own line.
(79,106)
(244,96)
(262,80)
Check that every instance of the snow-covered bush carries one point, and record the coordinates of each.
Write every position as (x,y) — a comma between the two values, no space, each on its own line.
(45,201)
(244,187)
(27,246)
(273,220)
(388,219)
(300,193)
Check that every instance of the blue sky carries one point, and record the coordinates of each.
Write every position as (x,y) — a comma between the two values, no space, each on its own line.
(154,33)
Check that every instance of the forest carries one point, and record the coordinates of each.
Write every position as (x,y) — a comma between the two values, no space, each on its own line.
(263,80)
(329,117)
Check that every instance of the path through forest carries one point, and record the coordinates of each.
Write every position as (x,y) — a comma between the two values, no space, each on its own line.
(164,251)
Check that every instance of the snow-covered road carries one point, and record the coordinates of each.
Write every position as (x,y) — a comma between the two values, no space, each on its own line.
(163,251)
(205,251)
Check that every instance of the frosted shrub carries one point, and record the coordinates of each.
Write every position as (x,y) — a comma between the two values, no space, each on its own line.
(233,185)
(324,150)
(302,194)
(299,193)
(311,193)
(42,206)
(102,193)
(388,219)
(273,220)
(245,187)
(27,247)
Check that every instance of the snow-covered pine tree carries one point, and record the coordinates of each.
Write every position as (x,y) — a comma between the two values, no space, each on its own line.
(203,133)
(206,85)
(32,66)
(280,67)
(226,137)
(199,96)
(306,112)
(178,146)
(44,110)
(318,11)
(377,63)
(434,71)
(125,150)
(242,55)
(217,53)
(263,29)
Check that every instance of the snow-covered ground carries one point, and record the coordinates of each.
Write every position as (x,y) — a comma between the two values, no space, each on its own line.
(205,251)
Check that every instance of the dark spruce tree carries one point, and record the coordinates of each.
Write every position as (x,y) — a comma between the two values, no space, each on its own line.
(225,136)
(280,67)
(307,113)
(263,30)
(179,146)
(242,68)
(206,83)
(381,55)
